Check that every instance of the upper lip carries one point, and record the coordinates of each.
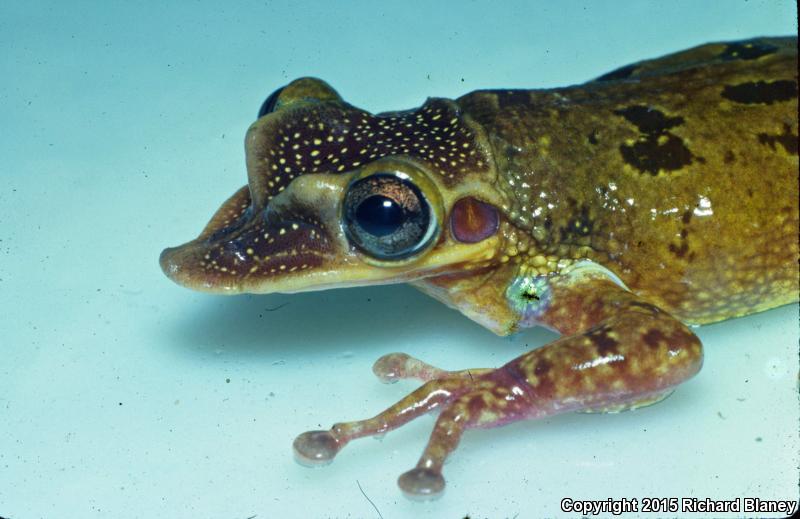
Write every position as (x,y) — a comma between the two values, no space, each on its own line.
(260,249)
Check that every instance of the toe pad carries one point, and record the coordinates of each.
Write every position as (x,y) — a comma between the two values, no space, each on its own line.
(315,448)
(421,484)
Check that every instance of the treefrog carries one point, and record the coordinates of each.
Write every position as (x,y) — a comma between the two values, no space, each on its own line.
(618,212)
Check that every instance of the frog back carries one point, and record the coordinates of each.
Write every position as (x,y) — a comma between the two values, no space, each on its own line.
(679,175)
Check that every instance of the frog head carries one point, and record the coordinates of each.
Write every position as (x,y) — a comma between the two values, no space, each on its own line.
(337,197)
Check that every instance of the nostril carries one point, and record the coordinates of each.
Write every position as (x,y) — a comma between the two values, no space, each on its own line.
(227,230)
(221,233)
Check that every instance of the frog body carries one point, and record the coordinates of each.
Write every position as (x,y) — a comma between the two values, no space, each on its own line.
(617,212)
(613,171)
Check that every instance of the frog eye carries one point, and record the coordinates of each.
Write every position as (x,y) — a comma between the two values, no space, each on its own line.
(387,217)
(268,106)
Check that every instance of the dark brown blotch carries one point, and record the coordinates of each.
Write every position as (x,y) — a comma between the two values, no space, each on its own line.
(649,120)
(679,250)
(654,338)
(761,92)
(602,341)
(729,158)
(747,51)
(542,368)
(653,154)
(475,406)
(657,149)
(786,139)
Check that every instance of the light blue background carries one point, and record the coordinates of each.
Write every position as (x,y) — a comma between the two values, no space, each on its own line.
(122,132)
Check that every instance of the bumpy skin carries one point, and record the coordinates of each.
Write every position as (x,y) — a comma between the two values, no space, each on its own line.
(662,194)
(678,174)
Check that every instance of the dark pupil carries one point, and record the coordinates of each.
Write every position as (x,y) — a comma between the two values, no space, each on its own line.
(386,217)
(379,215)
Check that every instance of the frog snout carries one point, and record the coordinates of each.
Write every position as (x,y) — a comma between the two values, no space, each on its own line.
(176,263)
(252,256)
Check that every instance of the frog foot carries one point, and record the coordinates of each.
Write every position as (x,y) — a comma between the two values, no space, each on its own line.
(457,393)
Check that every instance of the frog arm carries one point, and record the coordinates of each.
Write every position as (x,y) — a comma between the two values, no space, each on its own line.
(617,352)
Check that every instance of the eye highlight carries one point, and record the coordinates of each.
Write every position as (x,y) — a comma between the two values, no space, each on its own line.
(387,217)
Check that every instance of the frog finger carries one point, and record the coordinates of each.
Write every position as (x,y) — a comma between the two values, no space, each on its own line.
(396,366)
(315,448)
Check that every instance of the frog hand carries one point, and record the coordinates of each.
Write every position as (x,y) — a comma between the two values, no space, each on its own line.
(618,352)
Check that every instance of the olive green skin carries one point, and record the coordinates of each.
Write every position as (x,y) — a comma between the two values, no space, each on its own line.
(662,173)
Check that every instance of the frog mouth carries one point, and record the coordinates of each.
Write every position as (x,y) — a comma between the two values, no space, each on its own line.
(242,250)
